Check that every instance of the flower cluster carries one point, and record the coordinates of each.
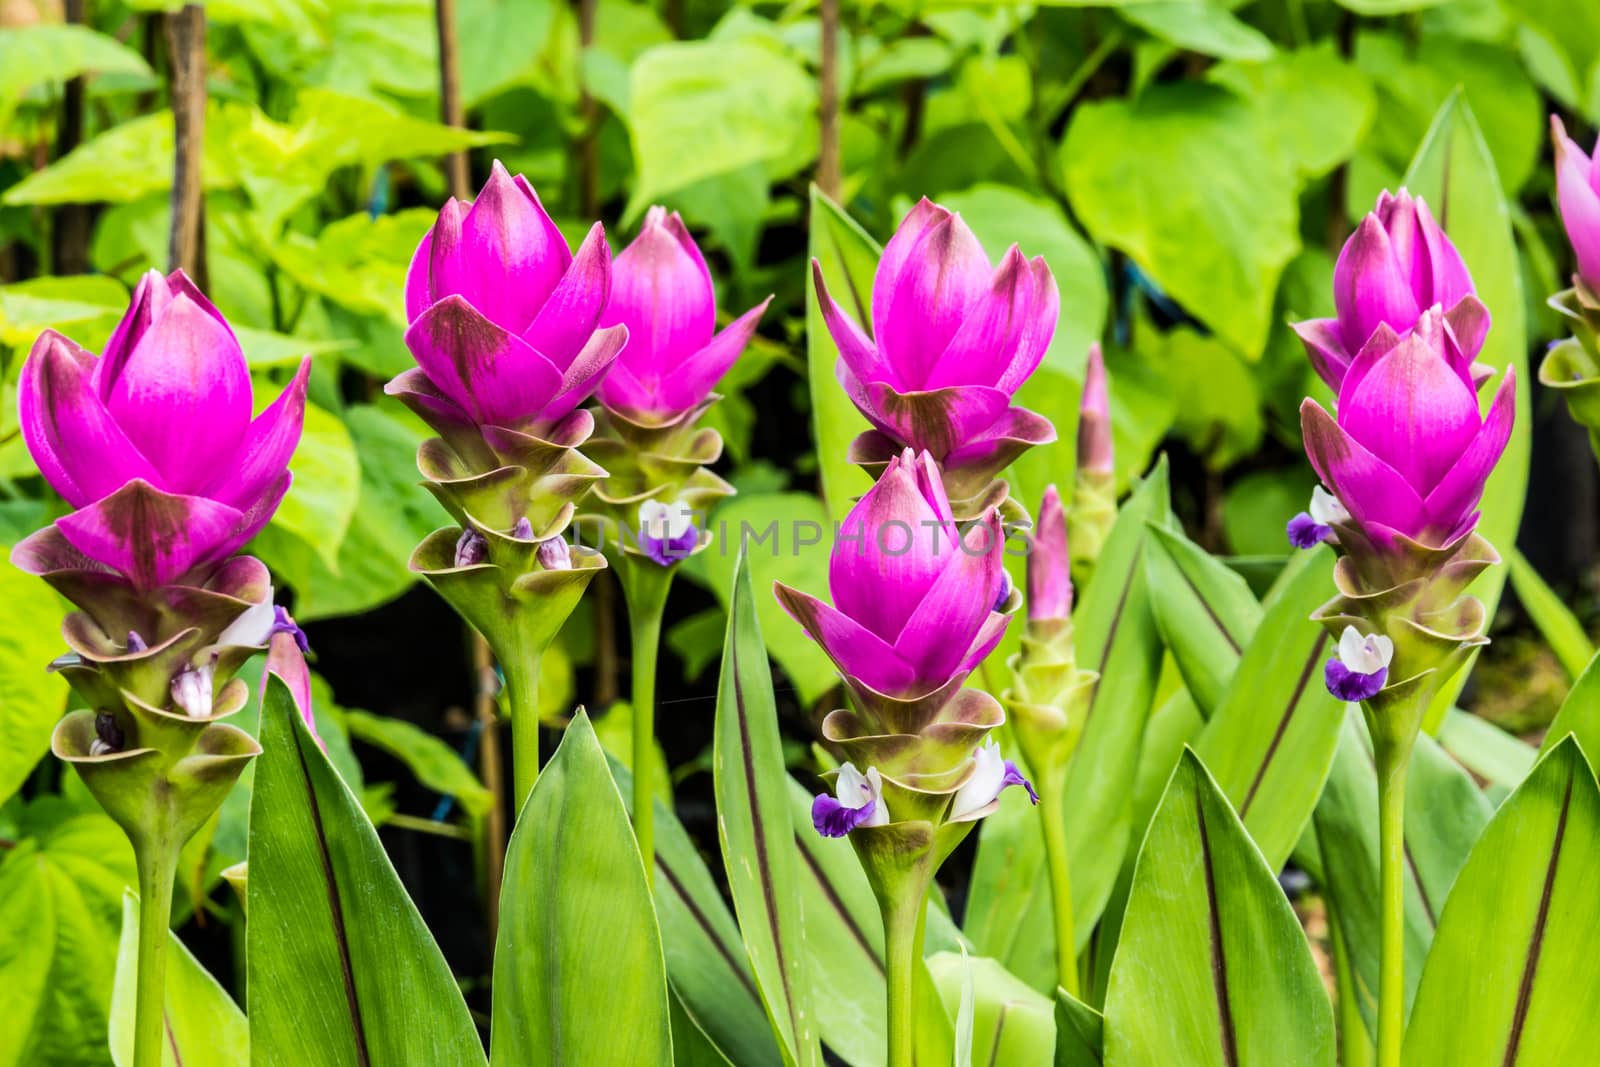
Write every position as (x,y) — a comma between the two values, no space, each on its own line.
(913,613)
(953,339)
(1572,366)
(1406,458)
(153,445)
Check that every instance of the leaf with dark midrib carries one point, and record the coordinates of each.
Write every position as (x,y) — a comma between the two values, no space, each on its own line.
(1536,940)
(832,895)
(330,924)
(1219,955)
(1283,723)
(341,939)
(754,826)
(1512,975)
(1211,971)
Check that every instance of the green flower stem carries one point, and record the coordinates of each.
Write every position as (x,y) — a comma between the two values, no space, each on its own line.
(1393,762)
(522,696)
(904,922)
(644,586)
(1053,822)
(157,860)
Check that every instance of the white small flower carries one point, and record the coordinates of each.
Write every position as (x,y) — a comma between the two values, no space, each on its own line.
(665,522)
(1364,654)
(252,627)
(1326,508)
(988,778)
(857,790)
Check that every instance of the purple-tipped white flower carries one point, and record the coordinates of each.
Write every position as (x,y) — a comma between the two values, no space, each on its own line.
(555,554)
(666,531)
(1361,667)
(1314,527)
(857,801)
(192,690)
(991,776)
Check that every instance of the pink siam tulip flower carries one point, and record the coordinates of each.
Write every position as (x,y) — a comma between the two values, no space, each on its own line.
(1397,264)
(661,291)
(953,338)
(153,442)
(1049,563)
(913,600)
(505,320)
(1578,191)
(1409,452)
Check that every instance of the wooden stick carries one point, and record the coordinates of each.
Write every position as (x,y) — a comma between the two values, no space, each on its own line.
(451,111)
(71,231)
(829,175)
(186,44)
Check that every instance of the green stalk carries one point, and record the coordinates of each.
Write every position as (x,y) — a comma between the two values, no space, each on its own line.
(645,585)
(157,861)
(1053,821)
(904,922)
(1393,763)
(522,696)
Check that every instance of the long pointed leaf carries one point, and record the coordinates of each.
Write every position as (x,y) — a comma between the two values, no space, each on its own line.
(1205,611)
(1272,738)
(342,970)
(706,962)
(849,258)
(576,922)
(755,830)
(1213,967)
(1513,977)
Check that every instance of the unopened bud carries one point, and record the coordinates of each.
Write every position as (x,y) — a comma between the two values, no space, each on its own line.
(555,555)
(471,548)
(523,530)
(283,623)
(191,690)
(136,644)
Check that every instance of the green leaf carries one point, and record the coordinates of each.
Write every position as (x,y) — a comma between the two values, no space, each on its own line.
(60,909)
(1206,613)
(703,108)
(1444,813)
(849,259)
(487,65)
(1011,1021)
(1580,712)
(341,968)
(1485,749)
(755,830)
(1213,967)
(706,963)
(43,53)
(1512,972)
(1557,624)
(1455,173)
(358,262)
(1202,26)
(1080,1032)
(31,698)
(1271,739)
(785,538)
(1159,178)
(1317,105)
(124,163)
(1570,35)
(203,1026)
(327,481)
(615,731)
(579,921)
(434,763)
(1008,910)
